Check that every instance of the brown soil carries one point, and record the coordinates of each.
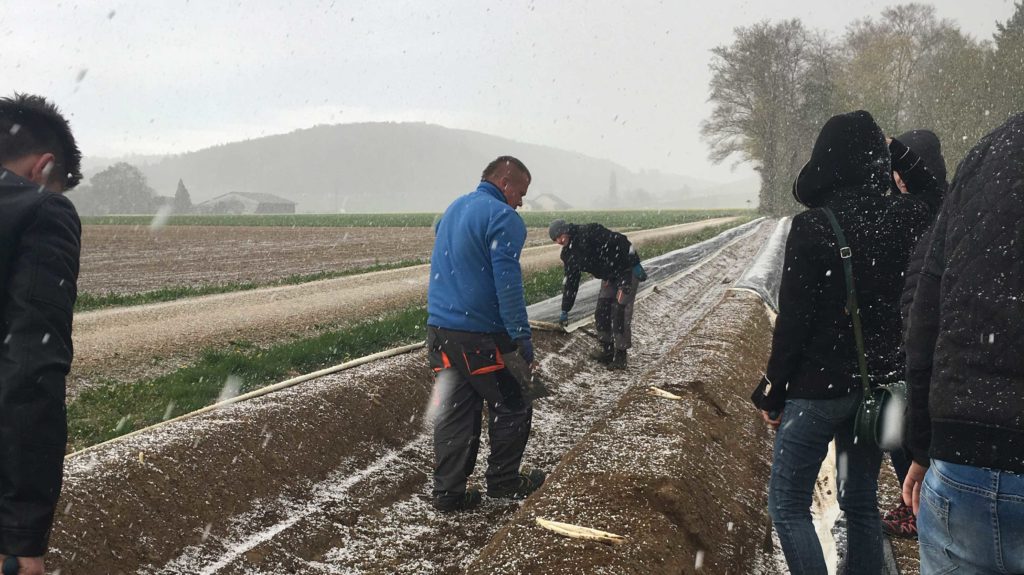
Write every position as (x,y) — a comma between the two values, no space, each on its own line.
(331,476)
(684,481)
(131,259)
(143,341)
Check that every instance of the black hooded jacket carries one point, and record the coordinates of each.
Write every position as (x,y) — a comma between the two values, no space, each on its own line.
(595,249)
(39,250)
(965,345)
(927,146)
(813,350)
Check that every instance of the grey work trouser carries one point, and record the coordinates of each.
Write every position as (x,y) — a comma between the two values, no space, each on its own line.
(612,319)
(457,426)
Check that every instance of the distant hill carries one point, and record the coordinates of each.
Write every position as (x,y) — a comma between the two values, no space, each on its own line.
(740,194)
(373,167)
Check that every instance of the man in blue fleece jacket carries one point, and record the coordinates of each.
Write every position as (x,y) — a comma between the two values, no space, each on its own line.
(476,322)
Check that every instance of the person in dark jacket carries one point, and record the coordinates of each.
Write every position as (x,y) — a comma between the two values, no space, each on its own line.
(901,521)
(812,390)
(965,368)
(476,324)
(609,257)
(40,238)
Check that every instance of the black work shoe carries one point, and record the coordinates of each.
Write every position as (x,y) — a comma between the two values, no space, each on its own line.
(603,353)
(519,488)
(468,500)
(619,361)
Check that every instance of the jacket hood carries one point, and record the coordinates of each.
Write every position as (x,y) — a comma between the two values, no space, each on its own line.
(926,145)
(850,152)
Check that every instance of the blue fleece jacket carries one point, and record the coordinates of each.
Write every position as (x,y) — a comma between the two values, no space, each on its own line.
(476,283)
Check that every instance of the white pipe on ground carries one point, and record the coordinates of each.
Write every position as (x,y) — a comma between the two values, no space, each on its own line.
(260,392)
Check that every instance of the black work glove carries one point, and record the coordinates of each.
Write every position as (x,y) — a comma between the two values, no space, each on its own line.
(526,348)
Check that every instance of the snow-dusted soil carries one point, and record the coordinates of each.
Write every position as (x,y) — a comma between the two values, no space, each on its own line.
(684,480)
(332,476)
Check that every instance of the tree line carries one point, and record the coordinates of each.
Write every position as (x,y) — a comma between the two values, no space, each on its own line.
(122,189)
(778,82)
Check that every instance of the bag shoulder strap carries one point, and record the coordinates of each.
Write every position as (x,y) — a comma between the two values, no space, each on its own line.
(846,255)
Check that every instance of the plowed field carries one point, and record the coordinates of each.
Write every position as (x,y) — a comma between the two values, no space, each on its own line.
(130,259)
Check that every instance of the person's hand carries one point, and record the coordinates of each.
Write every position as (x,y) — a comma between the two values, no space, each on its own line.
(767,417)
(563,319)
(912,485)
(526,348)
(621,297)
(27,565)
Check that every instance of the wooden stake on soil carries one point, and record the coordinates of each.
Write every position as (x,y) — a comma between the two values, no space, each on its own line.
(578,532)
(546,325)
(658,392)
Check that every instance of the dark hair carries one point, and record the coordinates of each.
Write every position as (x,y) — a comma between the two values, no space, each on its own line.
(502,161)
(31,125)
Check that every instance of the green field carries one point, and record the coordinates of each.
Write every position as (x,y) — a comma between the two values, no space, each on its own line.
(631,219)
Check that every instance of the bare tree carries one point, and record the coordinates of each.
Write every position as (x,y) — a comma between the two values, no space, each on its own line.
(881,61)
(771,88)
(952,89)
(1007,83)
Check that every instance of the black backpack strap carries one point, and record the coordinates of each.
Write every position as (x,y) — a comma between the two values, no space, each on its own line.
(846,255)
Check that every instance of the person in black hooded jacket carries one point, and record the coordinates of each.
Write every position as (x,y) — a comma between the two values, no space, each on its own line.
(901,521)
(965,368)
(609,257)
(40,238)
(927,147)
(811,390)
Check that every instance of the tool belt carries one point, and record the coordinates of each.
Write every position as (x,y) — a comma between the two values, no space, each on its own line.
(488,361)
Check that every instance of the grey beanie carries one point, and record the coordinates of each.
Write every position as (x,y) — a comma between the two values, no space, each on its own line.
(557,228)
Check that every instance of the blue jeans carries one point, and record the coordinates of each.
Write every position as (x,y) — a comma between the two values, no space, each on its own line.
(971,520)
(801,444)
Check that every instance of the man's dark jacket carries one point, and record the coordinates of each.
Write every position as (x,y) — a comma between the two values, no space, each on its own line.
(594,249)
(965,345)
(813,349)
(40,238)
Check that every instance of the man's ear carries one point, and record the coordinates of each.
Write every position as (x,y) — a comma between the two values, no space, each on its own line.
(39,171)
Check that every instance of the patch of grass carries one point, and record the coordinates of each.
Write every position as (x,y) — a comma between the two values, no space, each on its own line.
(112,409)
(89,302)
(541,285)
(631,219)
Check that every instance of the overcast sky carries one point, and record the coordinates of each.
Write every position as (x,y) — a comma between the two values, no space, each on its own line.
(624,80)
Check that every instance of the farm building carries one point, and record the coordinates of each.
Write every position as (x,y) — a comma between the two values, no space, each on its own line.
(247,203)
(546,203)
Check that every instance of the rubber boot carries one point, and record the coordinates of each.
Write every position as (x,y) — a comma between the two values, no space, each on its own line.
(618,361)
(605,353)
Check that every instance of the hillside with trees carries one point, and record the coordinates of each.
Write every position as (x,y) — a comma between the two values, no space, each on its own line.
(378,167)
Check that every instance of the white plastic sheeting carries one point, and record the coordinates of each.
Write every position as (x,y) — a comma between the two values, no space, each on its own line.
(764,276)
